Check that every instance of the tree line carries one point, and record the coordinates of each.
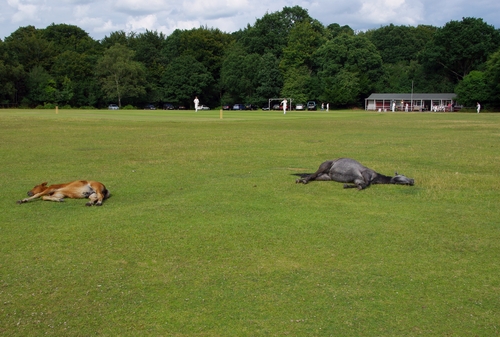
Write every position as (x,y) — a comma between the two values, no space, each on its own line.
(283,54)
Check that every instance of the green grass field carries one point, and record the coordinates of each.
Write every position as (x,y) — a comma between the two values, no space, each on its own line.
(207,234)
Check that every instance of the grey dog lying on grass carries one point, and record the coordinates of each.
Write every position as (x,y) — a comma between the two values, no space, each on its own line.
(346,170)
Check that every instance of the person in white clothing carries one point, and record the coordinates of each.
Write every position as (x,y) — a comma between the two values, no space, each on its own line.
(478,107)
(284,103)
(196,102)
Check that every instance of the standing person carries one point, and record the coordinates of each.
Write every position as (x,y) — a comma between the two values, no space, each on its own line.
(327,106)
(322,106)
(393,106)
(196,102)
(478,107)
(406,107)
(284,106)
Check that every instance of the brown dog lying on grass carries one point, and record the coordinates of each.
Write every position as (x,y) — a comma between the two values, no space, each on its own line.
(78,189)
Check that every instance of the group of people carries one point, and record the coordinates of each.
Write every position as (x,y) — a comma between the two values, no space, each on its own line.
(284,103)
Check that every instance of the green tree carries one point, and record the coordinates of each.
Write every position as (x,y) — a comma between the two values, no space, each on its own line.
(40,86)
(118,37)
(11,74)
(120,76)
(335,30)
(238,76)
(63,37)
(206,46)
(492,74)
(343,89)
(460,47)
(297,61)
(347,60)
(78,68)
(270,33)
(400,43)
(473,88)
(185,78)
(28,46)
(148,47)
(269,78)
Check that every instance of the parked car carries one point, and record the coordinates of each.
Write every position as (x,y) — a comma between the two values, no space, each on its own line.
(226,107)
(239,107)
(276,106)
(251,107)
(203,107)
(265,107)
(311,105)
(168,106)
(182,107)
(300,106)
(113,107)
(150,107)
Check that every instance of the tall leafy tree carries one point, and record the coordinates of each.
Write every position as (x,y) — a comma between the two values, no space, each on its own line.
(400,43)
(78,68)
(335,30)
(350,61)
(297,62)
(269,34)
(148,50)
(238,76)
(269,78)
(121,37)
(460,47)
(11,74)
(492,75)
(30,48)
(73,65)
(68,37)
(206,46)
(40,86)
(184,78)
(472,89)
(121,77)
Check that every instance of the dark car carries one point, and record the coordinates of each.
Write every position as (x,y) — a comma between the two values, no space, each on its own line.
(251,107)
(168,106)
(265,107)
(277,107)
(226,107)
(150,107)
(239,107)
(311,105)
(182,107)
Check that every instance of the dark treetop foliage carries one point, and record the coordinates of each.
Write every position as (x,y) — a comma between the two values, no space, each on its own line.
(284,53)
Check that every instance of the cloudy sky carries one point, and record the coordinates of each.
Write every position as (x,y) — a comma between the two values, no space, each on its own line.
(100,17)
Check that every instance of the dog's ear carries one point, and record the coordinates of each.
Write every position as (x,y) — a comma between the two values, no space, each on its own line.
(44,184)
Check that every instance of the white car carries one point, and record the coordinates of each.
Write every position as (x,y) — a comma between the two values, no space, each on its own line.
(300,106)
(113,107)
(203,107)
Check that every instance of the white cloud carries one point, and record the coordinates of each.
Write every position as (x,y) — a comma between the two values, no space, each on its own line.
(101,17)
(26,13)
(139,24)
(141,6)
(393,11)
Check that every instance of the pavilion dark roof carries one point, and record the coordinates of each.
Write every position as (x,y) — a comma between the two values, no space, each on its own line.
(415,96)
